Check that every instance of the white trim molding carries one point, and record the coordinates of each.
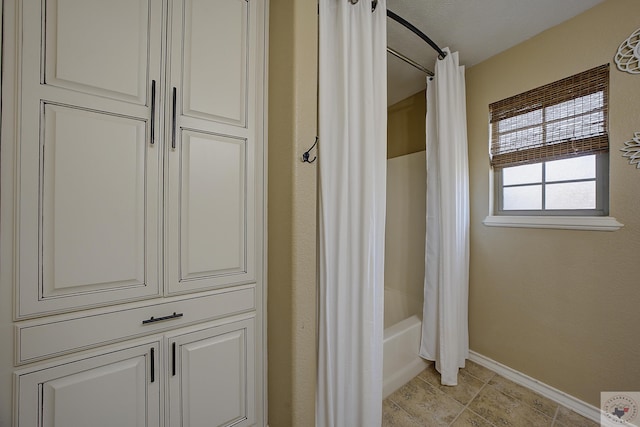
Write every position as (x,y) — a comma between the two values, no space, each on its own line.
(593,223)
(575,404)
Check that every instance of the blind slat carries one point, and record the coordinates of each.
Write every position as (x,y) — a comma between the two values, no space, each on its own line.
(563,119)
(557,151)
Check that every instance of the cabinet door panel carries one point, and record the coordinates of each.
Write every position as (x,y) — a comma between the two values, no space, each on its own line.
(214,50)
(213,197)
(88,43)
(93,243)
(214,381)
(212,218)
(114,389)
(93,201)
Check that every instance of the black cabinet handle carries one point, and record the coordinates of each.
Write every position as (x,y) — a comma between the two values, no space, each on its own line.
(173,362)
(153,365)
(173,120)
(153,112)
(160,319)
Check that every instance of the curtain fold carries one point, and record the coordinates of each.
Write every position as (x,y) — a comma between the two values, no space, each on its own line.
(352,197)
(445,335)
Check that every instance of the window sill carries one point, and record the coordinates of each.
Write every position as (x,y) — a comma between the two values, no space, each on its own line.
(594,223)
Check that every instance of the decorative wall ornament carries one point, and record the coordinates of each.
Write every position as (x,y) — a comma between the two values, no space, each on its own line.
(628,55)
(632,150)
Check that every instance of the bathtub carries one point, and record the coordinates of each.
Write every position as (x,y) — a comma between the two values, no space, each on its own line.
(404,269)
(401,361)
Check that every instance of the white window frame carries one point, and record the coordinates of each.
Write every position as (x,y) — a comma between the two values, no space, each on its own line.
(583,219)
(590,223)
(602,193)
(552,219)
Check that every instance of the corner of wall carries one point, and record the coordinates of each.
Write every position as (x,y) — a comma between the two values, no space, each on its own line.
(291,309)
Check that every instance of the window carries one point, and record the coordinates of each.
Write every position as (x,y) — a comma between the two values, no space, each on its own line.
(549,148)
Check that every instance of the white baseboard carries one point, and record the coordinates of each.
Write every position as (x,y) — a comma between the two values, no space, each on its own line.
(576,405)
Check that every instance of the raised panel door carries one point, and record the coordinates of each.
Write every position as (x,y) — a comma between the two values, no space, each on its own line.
(212,381)
(89,169)
(117,388)
(213,144)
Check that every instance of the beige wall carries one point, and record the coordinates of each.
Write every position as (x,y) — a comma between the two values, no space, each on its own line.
(291,295)
(405,126)
(561,306)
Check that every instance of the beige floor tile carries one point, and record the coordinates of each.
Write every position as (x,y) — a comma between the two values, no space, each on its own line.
(480,372)
(469,419)
(428,405)
(430,375)
(502,410)
(467,388)
(394,416)
(531,398)
(567,418)
(498,402)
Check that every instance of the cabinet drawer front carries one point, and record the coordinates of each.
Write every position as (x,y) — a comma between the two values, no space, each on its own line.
(94,329)
(212,376)
(115,388)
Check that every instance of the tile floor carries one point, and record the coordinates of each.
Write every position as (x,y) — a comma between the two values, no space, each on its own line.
(482,398)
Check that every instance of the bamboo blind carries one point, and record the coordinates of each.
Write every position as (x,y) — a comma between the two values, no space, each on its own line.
(563,119)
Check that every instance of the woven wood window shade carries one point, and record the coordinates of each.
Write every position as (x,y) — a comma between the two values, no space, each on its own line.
(563,119)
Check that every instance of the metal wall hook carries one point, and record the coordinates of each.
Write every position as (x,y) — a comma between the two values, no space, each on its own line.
(305,155)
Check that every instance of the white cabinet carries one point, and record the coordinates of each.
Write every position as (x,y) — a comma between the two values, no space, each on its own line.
(119,387)
(112,124)
(211,377)
(133,190)
(209,372)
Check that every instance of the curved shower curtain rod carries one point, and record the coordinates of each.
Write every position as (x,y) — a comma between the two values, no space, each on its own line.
(399,19)
(410,26)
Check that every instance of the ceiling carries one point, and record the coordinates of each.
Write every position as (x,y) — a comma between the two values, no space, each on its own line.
(478,29)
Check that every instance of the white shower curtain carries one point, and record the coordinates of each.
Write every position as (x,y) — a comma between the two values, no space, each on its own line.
(352,188)
(445,335)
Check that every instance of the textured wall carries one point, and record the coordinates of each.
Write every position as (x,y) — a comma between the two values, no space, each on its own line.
(291,295)
(561,306)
